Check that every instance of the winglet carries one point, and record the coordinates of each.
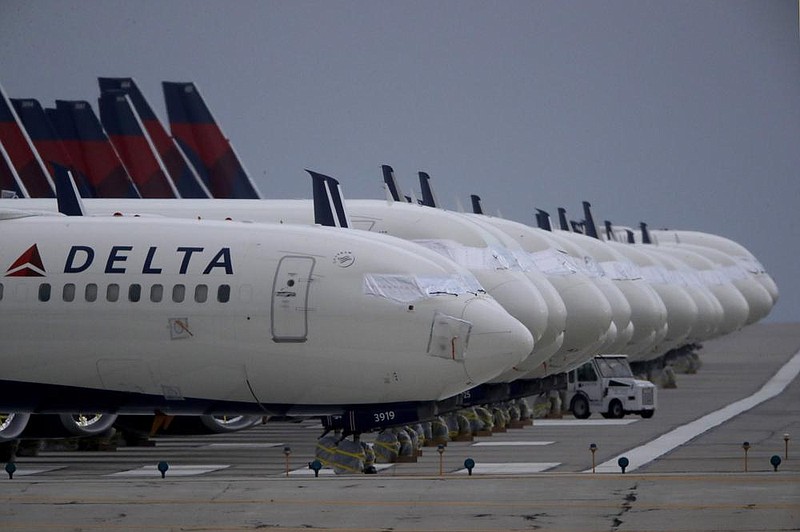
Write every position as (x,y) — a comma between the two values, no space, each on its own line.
(476,204)
(391,182)
(69,201)
(609,231)
(328,202)
(645,233)
(543,220)
(562,219)
(428,198)
(591,229)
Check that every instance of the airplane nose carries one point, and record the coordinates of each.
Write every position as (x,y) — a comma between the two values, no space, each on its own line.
(498,341)
(519,296)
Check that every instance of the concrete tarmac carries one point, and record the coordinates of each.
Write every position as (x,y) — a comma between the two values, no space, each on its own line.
(533,478)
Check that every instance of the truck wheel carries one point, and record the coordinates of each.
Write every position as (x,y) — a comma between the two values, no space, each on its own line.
(580,407)
(647,414)
(615,410)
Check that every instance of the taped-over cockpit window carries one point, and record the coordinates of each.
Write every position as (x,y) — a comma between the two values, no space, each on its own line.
(628,271)
(410,288)
(472,258)
(553,262)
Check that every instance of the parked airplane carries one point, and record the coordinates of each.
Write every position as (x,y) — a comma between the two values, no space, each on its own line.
(139,312)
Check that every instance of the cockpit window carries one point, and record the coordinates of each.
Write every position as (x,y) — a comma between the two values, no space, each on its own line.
(614,367)
(410,288)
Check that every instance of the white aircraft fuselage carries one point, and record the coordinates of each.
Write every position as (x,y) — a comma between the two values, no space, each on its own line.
(142,314)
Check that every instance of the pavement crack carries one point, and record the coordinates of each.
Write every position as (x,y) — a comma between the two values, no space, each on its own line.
(627,504)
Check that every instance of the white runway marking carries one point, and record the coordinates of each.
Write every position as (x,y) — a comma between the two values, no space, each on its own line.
(663,444)
(173,471)
(510,443)
(482,468)
(24,472)
(581,422)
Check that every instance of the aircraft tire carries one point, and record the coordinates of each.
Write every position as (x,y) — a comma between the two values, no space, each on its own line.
(12,425)
(87,424)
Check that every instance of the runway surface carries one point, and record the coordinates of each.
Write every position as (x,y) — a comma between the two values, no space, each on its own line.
(537,477)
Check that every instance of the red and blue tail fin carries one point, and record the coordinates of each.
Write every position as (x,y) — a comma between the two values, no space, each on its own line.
(47,142)
(10,183)
(22,154)
(183,175)
(201,138)
(134,147)
(90,150)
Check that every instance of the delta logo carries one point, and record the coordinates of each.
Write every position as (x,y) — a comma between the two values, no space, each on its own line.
(80,258)
(29,264)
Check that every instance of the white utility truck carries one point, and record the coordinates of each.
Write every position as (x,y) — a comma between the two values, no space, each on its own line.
(606,384)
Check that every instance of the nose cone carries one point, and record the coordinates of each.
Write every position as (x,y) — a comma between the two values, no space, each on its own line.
(734,307)
(519,296)
(649,317)
(758,299)
(589,318)
(497,340)
(682,315)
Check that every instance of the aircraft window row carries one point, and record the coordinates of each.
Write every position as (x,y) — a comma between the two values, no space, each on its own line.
(113,293)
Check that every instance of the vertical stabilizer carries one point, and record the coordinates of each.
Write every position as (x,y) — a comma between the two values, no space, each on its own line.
(134,147)
(90,150)
(428,197)
(47,142)
(22,154)
(10,183)
(183,175)
(203,141)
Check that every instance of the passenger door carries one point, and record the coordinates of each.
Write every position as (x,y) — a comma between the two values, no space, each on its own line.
(290,299)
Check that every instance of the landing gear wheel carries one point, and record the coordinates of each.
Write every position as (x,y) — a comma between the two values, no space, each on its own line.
(580,407)
(615,410)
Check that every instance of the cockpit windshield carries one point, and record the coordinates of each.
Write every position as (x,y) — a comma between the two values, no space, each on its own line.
(614,367)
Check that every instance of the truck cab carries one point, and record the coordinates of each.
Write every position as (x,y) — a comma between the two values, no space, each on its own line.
(606,384)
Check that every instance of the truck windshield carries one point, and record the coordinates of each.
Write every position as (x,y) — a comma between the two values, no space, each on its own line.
(614,367)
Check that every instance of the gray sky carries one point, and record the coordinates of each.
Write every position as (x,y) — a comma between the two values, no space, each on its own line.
(684,114)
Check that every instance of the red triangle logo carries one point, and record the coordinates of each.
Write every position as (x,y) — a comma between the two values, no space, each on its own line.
(29,264)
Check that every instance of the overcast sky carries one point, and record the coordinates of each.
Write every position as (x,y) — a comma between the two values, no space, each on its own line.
(684,114)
